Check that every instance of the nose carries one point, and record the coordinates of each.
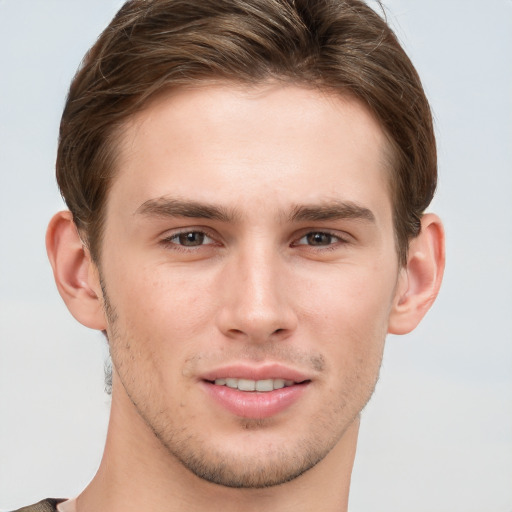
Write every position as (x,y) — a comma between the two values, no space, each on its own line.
(256,303)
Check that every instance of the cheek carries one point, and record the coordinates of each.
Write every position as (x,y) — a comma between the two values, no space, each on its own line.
(348,314)
(158,315)
(166,301)
(351,324)
(353,299)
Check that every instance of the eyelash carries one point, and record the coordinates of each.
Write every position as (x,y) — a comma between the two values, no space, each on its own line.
(169,240)
(173,240)
(336,240)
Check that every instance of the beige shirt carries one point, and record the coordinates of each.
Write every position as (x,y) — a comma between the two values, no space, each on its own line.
(67,506)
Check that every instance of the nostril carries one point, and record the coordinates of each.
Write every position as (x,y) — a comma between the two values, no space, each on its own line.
(237,332)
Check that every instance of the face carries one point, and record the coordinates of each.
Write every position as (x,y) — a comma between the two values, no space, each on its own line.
(249,269)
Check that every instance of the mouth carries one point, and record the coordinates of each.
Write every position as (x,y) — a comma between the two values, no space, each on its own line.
(259,397)
(261,386)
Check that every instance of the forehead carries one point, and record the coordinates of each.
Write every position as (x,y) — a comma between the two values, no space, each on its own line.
(250,145)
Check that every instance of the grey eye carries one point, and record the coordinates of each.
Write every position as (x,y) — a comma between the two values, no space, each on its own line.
(318,238)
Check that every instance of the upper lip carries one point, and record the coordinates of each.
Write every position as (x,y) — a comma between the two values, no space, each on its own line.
(250,372)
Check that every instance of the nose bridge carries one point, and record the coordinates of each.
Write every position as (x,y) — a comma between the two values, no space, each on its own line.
(256,304)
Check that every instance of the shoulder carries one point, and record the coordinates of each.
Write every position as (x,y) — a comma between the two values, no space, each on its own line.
(49,505)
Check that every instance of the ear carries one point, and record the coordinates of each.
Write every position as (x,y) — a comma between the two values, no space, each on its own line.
(75,274)
(419,281)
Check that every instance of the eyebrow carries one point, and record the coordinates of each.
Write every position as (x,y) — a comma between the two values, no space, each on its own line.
(333,210)
(171,207)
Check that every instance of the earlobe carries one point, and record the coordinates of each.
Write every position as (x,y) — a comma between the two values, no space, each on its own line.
(420,279)
(75,274)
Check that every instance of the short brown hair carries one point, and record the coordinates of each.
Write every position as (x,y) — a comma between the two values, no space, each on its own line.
(152,45)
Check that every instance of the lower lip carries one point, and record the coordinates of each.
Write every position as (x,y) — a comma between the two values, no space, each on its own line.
(253,404)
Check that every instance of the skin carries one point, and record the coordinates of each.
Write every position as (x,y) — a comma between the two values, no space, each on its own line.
(245,227)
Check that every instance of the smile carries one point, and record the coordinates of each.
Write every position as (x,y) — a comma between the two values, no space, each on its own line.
(262,386)
(255,398)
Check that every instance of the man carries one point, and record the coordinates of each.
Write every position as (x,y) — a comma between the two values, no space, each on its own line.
(246,183)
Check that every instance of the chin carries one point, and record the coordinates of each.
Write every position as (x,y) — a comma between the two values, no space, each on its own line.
(249,473)
(256,457)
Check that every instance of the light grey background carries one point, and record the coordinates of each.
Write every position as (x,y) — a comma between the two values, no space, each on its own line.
(437,436)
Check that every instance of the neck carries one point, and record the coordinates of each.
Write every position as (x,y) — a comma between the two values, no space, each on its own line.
(138,473)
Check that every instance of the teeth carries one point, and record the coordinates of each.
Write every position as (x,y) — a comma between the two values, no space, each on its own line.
(231,383)
(254,385)
(246,385)
(264,385)
(279,383)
